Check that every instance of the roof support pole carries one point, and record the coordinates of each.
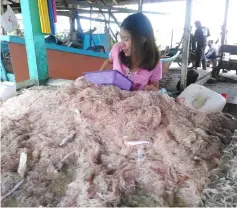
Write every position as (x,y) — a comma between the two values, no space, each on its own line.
(223,32)
(35,42)
(185,47)
(140,5)
(113,10)
(72,22)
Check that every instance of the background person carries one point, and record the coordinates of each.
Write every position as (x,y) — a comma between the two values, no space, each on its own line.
(200,38)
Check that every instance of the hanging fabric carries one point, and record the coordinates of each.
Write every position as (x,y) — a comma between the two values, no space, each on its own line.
(44,16)
(51,16)
(54,11)
(9,20)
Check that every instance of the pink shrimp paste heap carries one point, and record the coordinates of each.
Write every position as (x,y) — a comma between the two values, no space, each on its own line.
(79,141)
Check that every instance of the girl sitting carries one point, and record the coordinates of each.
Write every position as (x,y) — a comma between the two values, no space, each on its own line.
(136,56)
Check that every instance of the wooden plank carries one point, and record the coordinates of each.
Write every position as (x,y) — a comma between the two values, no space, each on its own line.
(67,13)
(110,6)
(111,3)
(113,10)
(94,19)
(25,84)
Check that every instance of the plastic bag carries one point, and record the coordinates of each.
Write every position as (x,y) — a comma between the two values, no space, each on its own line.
(7,90)
(9,20)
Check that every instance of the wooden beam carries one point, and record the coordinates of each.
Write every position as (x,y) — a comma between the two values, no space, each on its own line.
(114,9)
(11,1)
(13,6)
(67,13)
(115,37)
(94,19)
(122,3)
(64,13)
(140,5)
(110,13)
(115,1)
(223,28)
(125,10)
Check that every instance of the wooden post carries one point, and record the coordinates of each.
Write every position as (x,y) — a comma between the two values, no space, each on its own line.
(223,33)
(185,48)
(35,42)
(72,21)
(78,22)
(172,37)
(140,5)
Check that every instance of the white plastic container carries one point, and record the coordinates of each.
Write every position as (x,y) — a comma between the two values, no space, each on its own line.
(202,99)
(7,90)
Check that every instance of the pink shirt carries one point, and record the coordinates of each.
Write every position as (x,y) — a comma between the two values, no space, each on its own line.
(139,78)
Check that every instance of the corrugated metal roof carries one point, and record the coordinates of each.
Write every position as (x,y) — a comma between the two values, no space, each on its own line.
(5,2)
(67,4)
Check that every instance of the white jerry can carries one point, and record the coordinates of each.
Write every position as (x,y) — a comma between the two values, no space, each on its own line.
(202,99)
(7,90)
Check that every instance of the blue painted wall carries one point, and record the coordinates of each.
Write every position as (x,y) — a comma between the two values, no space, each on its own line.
(15,39)
(101,39)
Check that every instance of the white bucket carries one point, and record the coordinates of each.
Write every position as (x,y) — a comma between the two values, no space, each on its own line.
(202,99)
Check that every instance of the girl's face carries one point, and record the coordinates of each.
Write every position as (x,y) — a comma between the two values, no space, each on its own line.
(126,41)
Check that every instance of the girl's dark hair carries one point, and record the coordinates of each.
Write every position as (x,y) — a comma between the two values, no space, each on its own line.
(144,53)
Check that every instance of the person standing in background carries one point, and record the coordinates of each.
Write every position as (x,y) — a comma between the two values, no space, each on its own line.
(200,38)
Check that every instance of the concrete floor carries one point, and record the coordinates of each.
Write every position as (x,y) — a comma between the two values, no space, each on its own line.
(229,86)
(225,87)
(173,75)
(230,75)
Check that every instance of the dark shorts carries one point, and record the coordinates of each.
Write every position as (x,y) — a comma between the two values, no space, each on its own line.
(212,57)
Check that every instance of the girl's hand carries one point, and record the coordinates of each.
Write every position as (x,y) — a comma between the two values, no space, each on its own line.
(150,88)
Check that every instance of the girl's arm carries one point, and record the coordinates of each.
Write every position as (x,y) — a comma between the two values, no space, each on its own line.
(114,53)
(153,83)
(165,67)
(106,65)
